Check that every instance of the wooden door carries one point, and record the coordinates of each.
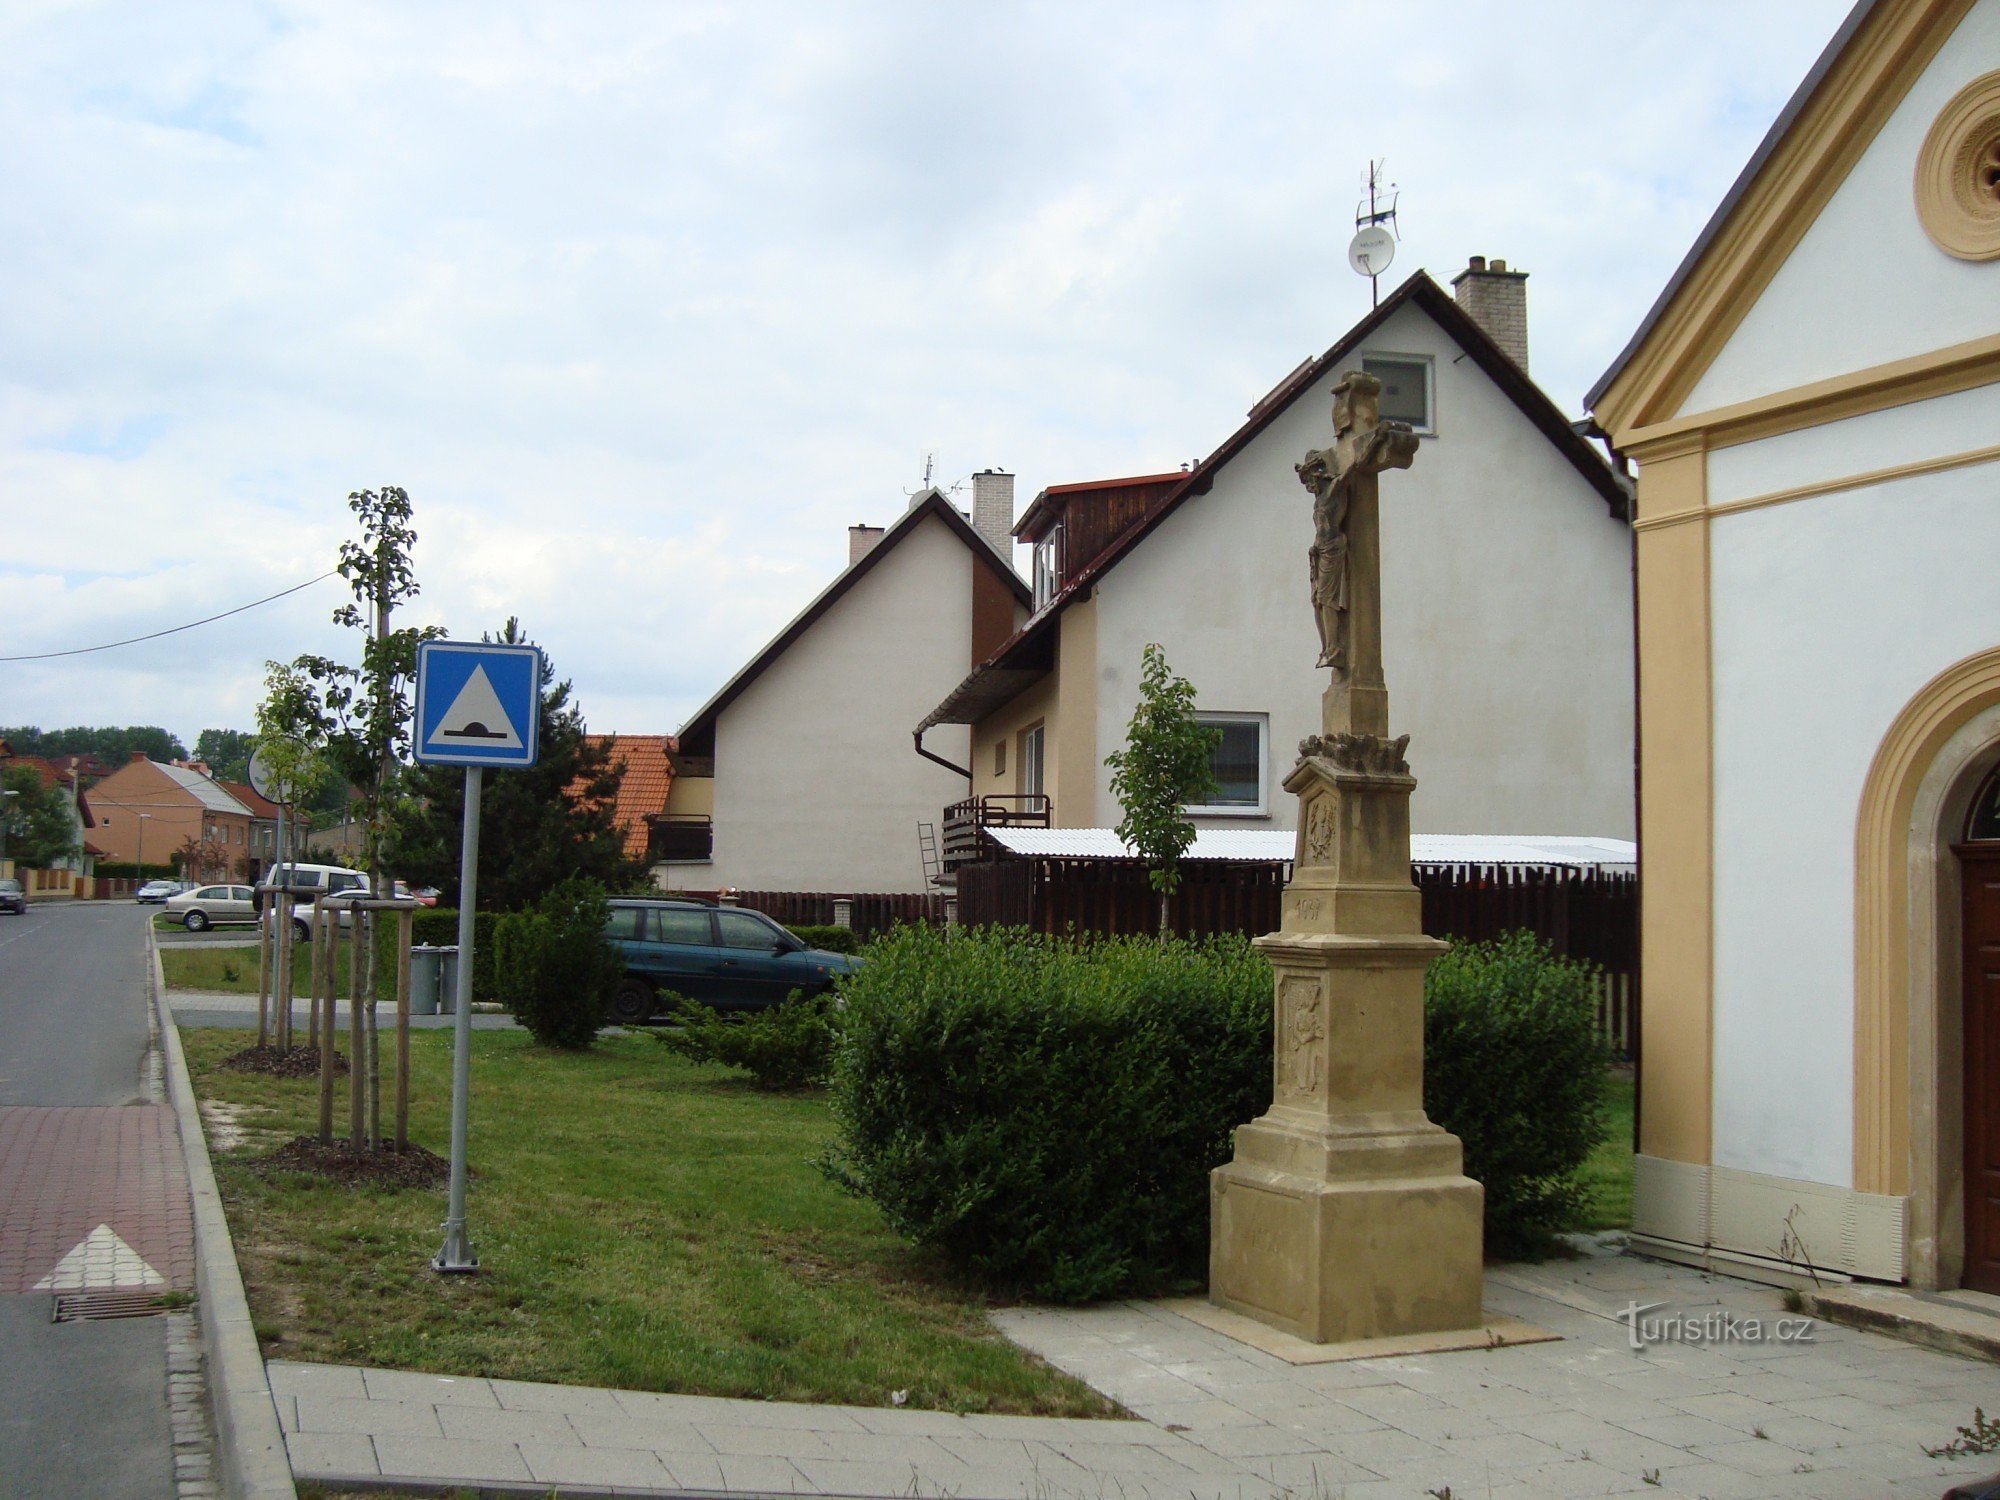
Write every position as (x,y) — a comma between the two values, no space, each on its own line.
(1981,866)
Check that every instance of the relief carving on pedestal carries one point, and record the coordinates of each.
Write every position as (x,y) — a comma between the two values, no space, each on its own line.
(1319,831)
(1301,1029)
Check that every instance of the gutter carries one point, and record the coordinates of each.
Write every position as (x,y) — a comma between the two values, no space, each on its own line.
(917,736)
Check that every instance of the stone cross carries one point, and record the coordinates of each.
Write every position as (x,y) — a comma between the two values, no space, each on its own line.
(1345,560)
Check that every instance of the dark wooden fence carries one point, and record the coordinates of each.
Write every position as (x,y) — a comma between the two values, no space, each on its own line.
(1580,912)
(874,911)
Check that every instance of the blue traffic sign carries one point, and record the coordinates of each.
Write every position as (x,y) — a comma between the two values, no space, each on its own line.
(477,705)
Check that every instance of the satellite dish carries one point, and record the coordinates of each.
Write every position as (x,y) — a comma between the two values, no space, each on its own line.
(264,778)
(1371,250)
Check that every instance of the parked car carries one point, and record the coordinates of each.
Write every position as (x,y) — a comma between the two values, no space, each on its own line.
(13,898)
(720,956)
(155,892)
(209,906)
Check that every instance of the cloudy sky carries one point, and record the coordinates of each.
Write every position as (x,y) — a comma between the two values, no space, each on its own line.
(646,301)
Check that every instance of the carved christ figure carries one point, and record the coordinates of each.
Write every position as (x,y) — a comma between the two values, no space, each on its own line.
(1363,445)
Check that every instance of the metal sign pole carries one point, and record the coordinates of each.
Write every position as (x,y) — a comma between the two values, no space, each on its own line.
(456,1252)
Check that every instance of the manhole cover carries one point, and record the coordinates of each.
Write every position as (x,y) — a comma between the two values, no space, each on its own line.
(73,1307)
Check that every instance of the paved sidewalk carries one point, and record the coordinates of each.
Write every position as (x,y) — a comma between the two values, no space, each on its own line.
(93,1198)
(1847,1415)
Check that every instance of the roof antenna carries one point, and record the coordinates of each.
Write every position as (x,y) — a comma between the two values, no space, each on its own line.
(1374,245)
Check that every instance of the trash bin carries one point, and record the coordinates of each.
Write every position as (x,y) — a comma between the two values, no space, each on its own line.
(448,981)
(426,963)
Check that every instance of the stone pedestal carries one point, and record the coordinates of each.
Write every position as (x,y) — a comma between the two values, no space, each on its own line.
(1346,1213)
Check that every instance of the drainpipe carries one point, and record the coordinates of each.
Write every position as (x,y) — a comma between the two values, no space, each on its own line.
(918,736)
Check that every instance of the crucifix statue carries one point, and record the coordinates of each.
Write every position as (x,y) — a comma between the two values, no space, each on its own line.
(1345,560)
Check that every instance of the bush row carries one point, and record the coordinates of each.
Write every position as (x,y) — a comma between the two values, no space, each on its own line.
(1046,1114)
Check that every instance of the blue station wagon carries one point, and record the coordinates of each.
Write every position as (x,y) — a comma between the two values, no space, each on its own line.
(721,956)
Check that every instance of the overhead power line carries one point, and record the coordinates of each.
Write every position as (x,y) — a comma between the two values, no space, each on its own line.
(177,629)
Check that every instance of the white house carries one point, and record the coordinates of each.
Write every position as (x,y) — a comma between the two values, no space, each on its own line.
(1813,405)
(1506,597)
(801,763)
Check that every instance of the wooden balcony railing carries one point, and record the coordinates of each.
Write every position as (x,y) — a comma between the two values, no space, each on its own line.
(964,841)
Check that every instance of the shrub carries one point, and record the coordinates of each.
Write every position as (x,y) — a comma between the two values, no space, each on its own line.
(788,1046)
(1514,1066)
(555,969)
(1046,1114)
(829,938)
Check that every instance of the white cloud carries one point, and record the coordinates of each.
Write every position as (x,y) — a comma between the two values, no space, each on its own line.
(646,304)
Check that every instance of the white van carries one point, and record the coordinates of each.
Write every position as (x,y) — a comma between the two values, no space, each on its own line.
(309,879)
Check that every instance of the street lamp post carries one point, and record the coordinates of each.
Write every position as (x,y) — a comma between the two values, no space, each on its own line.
(140,862)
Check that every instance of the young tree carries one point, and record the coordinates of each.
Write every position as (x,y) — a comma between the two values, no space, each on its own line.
(36,823)
(537,827)
(1164,766)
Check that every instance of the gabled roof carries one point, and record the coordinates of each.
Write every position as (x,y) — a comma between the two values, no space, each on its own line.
(697,736)
(210,794)
(649,774)
(1856,83)
(1029,652)
(258,805)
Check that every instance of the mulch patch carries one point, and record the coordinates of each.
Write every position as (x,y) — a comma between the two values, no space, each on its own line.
(298,1062)
(413,1167)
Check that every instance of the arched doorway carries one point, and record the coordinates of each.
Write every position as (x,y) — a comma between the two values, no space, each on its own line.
(1979,1018)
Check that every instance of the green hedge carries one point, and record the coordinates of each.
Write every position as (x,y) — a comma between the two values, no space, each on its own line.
(1515,1067)
(829,938)
(438,926)
(1044,1113)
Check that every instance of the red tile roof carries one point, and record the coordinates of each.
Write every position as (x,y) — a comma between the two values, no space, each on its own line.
(648,775)
(260,807)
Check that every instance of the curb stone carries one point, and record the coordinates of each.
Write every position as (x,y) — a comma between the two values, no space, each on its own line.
(249,1444)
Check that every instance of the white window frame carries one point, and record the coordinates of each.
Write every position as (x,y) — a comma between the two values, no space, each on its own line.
(1048,566)
(1428,363)
(1031,764)
(1262,722)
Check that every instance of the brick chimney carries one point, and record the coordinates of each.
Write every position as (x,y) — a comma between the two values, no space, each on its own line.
(993,509)
(859,540)
(1497,300)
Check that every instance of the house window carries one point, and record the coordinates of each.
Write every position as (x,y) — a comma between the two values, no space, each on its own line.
(1048,565)
(1029,778)
(1238,761)
(999,757)
(1406,389)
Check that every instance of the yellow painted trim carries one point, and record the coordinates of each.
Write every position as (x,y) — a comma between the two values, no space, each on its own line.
(1676,816)
(1886,55)
(1920,377)
(1944,464)
(1956,206)
(1073,747)
(1882,914)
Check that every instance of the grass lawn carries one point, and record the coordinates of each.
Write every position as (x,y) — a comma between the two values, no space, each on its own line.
(1609,1170)
(641,1222)
(233,971)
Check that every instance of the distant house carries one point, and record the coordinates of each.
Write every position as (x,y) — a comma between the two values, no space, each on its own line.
(149,812)
(798,774)
(1506,600)
(1812,404)
(66,775)
(641,809)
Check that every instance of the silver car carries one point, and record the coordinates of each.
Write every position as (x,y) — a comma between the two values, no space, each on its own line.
(209,906)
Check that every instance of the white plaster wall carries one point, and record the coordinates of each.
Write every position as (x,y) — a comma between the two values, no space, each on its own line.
(817,786)
(1507,613)
(1866,285)
(1827,615)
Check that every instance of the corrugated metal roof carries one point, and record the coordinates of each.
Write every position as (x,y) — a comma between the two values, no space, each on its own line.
(204,791)
(1276,845)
